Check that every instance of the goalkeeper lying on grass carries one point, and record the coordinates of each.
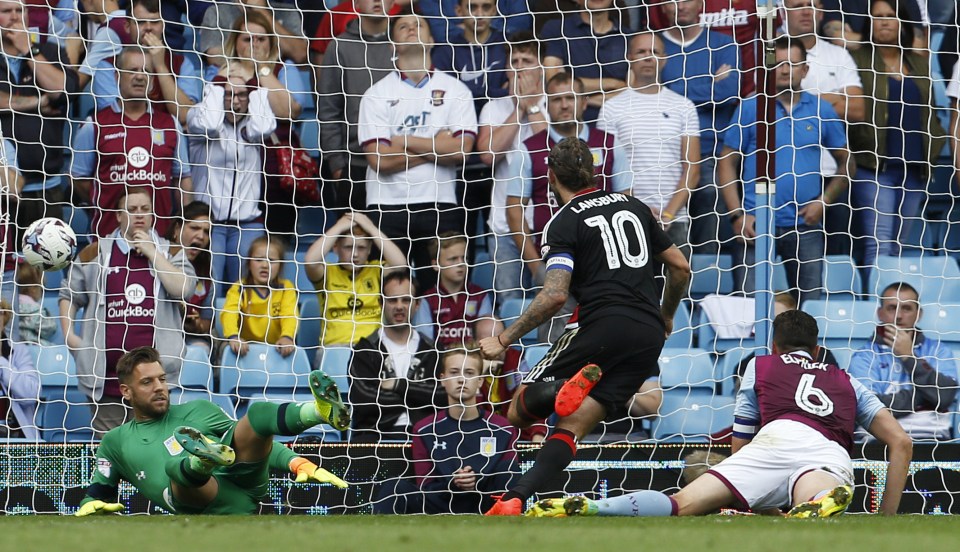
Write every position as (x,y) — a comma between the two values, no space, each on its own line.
(226,467)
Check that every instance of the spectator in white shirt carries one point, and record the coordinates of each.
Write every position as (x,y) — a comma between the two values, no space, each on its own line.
(416,128)
(660,132)
(234,120)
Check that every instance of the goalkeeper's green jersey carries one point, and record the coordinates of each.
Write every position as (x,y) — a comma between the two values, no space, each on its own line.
(139,451)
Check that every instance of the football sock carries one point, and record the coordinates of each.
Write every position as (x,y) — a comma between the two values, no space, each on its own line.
(821,494)
(638,504)
(557,453)
(189,471)
(268,419)
(536,401)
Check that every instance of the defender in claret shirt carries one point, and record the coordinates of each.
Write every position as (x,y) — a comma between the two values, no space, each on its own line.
(600,247)
(792,433)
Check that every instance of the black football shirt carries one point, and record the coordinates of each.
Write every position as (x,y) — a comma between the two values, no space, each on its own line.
(607,240)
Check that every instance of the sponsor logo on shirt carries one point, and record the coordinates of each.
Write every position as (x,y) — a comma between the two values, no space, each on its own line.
(488,446)
(724,18)
(103,466)
(138,157)
(135,294)
(461,332)
(119,309)
(173,447)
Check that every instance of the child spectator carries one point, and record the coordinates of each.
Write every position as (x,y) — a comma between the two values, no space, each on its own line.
(191,231)
(462,455)
(350,288)
(35,322)
(262,307)
(455,310)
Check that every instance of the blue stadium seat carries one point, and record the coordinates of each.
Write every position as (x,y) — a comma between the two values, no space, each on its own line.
(937,279)
(66,420)
(196,373)
(707,339)
(311,223)
(86,104)
(218,303)
(336,364)
(263,375)
(64,412)
(686,368)
(310,136)
(179,395)
(510,311)
(52,282)
(726,373)
(58,373)
(844,323)
(711,274)
(481,273)
(843,356)
(308,333)
(841,277)
(534,354)
(294,269)
(262,370)
(79,221)
(780,282)
(682,336)
(52,304)
(692,415)
(942,321)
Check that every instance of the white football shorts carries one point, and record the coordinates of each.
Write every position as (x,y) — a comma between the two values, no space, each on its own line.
(762,474)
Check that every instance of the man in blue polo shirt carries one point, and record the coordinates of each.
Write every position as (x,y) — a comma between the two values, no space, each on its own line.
(805,126)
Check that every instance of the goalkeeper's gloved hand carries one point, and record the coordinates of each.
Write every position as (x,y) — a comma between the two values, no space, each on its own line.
(307,471)
(99,507)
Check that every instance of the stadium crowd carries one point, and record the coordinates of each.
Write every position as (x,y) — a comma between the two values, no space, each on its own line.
(266,187)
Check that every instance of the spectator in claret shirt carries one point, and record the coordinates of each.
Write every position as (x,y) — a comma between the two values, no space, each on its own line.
(175,83)
(131,285)
(456,310)
(131,143)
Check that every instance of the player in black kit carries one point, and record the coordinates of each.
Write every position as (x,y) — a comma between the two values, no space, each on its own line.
(604,248)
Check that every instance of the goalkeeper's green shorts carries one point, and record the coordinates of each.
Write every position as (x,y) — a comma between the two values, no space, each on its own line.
(242,487)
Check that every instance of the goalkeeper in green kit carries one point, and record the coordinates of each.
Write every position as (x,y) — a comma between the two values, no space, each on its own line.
(192,458)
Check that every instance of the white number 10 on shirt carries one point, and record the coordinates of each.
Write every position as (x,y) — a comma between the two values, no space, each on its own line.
(615,242)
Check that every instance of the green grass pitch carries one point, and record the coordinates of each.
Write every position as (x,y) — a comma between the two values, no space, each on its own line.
(853,533)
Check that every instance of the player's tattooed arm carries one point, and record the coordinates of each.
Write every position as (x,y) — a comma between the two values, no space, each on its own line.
(556,289)
(678,278)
